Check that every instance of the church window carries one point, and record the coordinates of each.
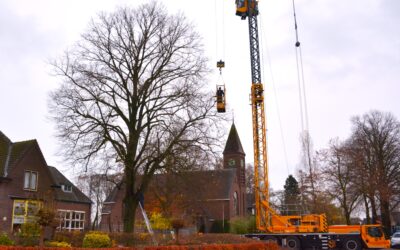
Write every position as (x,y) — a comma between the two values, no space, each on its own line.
(235,204)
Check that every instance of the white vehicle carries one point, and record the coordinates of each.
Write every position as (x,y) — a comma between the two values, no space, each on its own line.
(395,239)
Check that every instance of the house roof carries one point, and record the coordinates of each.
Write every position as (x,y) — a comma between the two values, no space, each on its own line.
(75,196)
(233,144)
(11,152)
(4,148)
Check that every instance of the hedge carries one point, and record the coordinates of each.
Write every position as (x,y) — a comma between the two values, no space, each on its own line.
(244,246)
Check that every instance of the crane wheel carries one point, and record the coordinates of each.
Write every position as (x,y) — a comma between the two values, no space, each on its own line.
(293,243)
(352,244)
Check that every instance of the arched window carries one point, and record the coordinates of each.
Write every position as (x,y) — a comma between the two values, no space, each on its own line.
(235,204)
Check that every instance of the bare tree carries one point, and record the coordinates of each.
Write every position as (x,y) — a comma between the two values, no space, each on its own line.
(97,187)
(338,176)
(377,134)
(133,91)
(249,178)
(310,174)
(364,176)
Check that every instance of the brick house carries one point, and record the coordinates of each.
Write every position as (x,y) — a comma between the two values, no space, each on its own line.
(202,198)
(26,181)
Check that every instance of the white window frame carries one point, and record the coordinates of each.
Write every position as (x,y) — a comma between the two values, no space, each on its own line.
(31,184)
(71,220)
(67,188)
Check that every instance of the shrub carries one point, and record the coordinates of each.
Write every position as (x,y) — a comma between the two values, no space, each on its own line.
(57,244)
(219,227)
(243,225)
(5,240)
(123,239)
(74,238)
(239,226)
(158,222)
(129,239)
(96,240)
(29,234)
(252,227)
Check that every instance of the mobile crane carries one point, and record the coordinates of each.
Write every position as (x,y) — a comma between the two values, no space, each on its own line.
(294,231)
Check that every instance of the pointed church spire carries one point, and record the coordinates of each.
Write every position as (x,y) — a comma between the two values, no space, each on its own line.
(233,144)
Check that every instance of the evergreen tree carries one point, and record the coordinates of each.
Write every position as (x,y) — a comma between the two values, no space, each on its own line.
(291,197)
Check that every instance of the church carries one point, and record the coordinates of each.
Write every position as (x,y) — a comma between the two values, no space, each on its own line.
(205,200)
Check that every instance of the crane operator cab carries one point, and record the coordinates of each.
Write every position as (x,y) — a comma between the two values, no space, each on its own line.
(221,98)
(242,8)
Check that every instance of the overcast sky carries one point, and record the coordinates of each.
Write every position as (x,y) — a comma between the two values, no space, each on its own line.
(351,57)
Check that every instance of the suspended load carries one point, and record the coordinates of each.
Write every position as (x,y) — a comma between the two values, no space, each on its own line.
(221,98)
(220,92)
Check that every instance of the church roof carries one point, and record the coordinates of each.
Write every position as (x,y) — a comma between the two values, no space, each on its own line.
(233,144)
(201,185)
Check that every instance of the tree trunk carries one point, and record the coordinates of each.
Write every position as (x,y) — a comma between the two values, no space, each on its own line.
(130,200)
(130,205)
(345,207)
(366,209)
(385,212)
(373,209)
(347,216)
(96,218)
(41,239)
(109,223)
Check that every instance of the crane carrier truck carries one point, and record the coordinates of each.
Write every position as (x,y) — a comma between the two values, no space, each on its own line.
(310,231)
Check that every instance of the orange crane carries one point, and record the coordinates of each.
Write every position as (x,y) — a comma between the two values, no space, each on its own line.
(294,231)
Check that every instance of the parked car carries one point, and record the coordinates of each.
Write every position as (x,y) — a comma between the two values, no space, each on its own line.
(395,240)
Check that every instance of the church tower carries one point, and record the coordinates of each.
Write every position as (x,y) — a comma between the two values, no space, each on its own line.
(234,156)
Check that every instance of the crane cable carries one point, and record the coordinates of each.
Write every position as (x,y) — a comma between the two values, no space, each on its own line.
(300,77)
(221,78)
(219,25)
(273,88)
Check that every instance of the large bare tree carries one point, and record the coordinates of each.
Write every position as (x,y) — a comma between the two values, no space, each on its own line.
(133,91)
(377,135)
(339,176)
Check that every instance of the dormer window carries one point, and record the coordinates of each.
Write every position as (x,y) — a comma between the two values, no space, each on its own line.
(66,188)
(30,180)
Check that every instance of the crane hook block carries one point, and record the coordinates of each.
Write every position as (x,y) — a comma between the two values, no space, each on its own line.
(220,64)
